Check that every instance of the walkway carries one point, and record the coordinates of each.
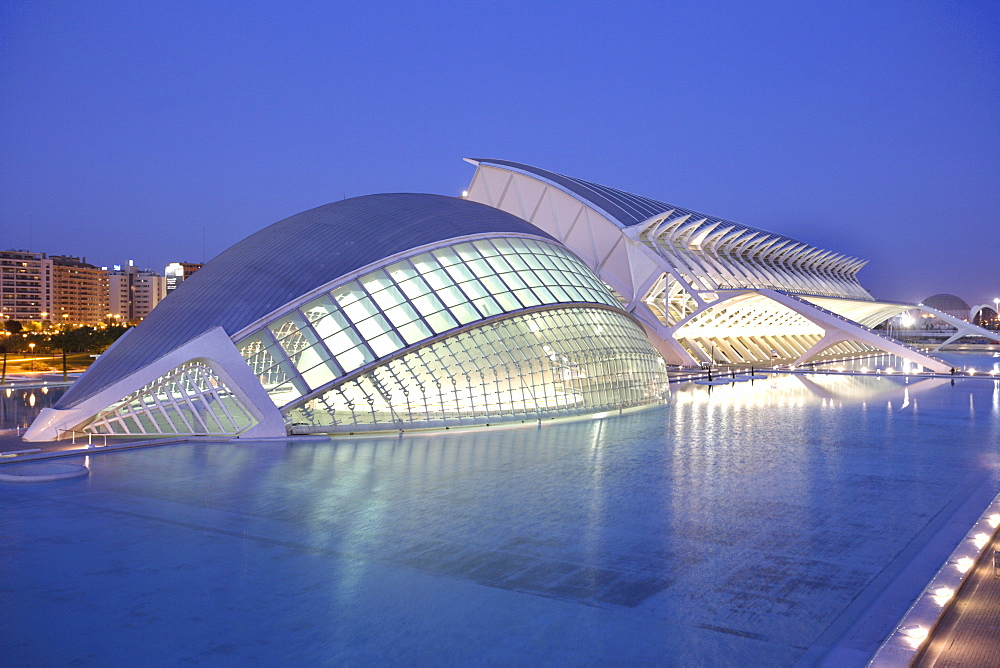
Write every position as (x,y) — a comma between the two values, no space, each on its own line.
(969,634)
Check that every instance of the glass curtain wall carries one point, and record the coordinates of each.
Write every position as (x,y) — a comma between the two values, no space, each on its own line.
(549,363)
(408,302)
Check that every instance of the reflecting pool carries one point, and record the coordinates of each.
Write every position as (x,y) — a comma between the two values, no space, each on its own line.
(759,522)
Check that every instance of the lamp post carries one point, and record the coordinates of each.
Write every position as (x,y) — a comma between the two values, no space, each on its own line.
(32,364)
(63,335)
(996,312)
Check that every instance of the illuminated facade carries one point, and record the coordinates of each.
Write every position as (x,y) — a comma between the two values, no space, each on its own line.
(376,313)
(707,290)
(534,295)
(25,286)
(79,292)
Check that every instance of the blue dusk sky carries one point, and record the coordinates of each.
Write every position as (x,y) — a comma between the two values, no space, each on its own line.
(163,131)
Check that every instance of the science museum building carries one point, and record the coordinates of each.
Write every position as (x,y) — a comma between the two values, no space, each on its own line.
(534,295)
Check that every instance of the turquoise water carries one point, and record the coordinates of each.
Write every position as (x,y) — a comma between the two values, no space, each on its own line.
(745,523)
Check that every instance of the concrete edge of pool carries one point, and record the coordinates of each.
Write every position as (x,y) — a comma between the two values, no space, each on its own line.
(911,634)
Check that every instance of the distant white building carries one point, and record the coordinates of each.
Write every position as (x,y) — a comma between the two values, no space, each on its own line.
(177,272)
(134,292)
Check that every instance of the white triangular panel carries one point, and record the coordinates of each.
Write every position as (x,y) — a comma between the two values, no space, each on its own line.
(495,181)
(478,192)
(644,269)
(510,200)
(615,270)
(581,242)
(531,192)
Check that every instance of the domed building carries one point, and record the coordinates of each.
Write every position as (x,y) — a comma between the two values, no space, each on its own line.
(950,304)
(534,295)
(381,312)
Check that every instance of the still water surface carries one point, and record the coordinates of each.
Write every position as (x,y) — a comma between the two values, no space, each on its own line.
(736,524)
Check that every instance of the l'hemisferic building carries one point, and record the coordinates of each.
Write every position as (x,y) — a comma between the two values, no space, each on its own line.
(535,295)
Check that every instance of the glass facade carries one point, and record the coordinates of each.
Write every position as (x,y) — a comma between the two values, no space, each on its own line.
(479,332)
(408,302)
(191,399)
(546,363)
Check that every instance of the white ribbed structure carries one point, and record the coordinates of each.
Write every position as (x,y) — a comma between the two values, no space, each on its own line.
(706,289)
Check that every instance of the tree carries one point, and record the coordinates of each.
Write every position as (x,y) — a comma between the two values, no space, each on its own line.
(13,326)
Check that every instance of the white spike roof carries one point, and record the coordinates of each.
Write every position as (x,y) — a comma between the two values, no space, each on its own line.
(714,240)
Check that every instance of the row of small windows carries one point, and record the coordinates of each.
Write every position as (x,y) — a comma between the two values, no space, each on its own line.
(410,301)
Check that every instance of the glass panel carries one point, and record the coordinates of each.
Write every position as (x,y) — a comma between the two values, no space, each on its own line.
(341,341)
(402,314)
(440,321)
(467,252)
(389,297)
(485,248)
(473,289)
(319,375)
(373,327)
(488,306)
(401,271)
(465,313)
(318,308)
(513,280)
(480,268)
(438,279)
(427,304)
(499,265)
(451,296)
(331,324)
(359,309)
(508,301)
(375,281)
(414,332)
(494,284)
(414,287)
(351,359)
(447,256)
(460,273)
(425,263)
(527,297)
(530,278)
(385,344)
(546,363)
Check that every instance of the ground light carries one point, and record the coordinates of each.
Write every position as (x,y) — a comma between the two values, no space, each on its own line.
(914,634)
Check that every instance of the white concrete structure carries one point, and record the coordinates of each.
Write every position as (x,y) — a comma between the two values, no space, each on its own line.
(707,290)
(384,312)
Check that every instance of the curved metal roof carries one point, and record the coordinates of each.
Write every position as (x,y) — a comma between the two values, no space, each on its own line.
(285,261)
(623,208)
(948,303)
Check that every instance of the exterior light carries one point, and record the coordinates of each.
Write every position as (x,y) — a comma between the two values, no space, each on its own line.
(914,635)
(942,595)
(964,564)
(994,520)
(981,539)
